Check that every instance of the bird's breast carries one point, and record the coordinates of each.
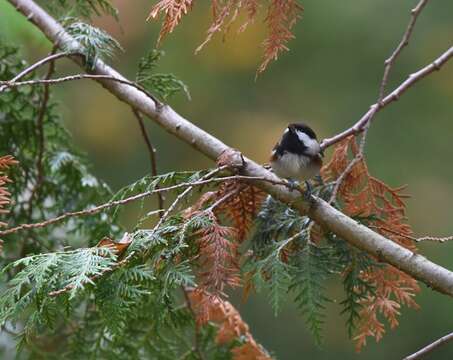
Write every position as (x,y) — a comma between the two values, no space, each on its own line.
(295,166)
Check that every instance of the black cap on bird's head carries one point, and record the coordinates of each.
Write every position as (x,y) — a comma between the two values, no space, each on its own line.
(303,128)
(299,138)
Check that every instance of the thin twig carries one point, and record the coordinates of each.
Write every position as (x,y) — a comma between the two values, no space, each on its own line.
(186,192)
(434,238)
(443,340)
(41,138)
(12,84)
(139,196)
(357,158)
(380,101)
(40,133)
(403,43)
(126,260)
(440,239)
(291,238)
(152,155)
(223,199)
(28,70)
(412,79)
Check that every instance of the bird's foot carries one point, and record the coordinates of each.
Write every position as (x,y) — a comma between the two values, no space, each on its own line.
(293,185)
(308,191)
(318,180)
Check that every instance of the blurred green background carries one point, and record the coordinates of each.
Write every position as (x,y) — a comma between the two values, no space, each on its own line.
(328,79)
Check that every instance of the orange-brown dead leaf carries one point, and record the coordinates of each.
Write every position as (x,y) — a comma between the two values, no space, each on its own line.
(360,194)
(218,262)
(281,16)
(5,197)
(242,208)
(173,11)
(218,245)
(230,324)
(118,247)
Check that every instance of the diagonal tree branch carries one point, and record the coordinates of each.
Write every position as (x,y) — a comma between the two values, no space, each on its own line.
(415,12)
(412,79)
(427,349)
(320,211)
(388,66)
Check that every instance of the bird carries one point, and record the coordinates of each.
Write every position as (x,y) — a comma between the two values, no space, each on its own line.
(298,155)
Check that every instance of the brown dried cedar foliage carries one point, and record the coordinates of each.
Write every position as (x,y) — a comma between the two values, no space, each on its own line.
(218,257)
(363,195)
(241,208)
(231,326)
(173,11)
(5,200)
(218,245)
(281,16)
(217,252)
(5,163)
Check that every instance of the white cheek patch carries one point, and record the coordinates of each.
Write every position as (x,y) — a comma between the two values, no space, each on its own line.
(312,145)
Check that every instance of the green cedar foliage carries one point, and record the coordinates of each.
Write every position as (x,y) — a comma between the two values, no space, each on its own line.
(164,85)
(106,310)
(96,43)
(311,267)
(68,298)
(287,262)
(355,287)
(64,182)
(80,8)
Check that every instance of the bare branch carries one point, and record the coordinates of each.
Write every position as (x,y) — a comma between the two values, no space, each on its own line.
(40,133)
(12,83)
(415,12)
(388,66)
(140,196)
(152,155)
(41,143)
(412,79)
(443,340)
(181,196)
(223,199)
(28,70)
(320,211)
(439,239)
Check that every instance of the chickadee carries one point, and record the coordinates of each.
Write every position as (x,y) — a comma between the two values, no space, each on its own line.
(297,156)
